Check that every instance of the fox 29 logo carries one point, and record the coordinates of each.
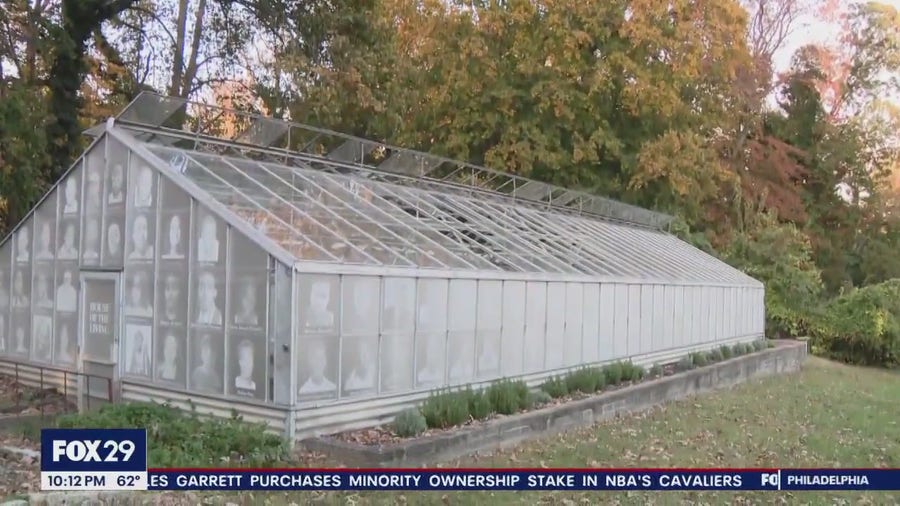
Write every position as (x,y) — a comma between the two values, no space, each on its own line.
(94,450)
(771,480)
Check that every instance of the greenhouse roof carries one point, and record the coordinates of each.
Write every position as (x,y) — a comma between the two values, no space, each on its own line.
(321,197)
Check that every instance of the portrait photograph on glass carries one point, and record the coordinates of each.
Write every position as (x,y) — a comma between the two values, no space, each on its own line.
(174,247)
(139,298)
(206,300)
(359,365)
(170,353)
(64,352)
(21,333)
(248,301)
(361,299)
(42,338)
(206,361)
(140,242)
(138,340)
(397,325)
(23,243)
(45,240)
(143,184)
(115,178)
(71,190)
(209,236)
(3,331)
(431,331)
(318,369)
(21,287)
(67,291)
(247,365)
(318,304)
(93,200)
(68,245)
(43,297)
(172,290)
(112,255)
(91,241)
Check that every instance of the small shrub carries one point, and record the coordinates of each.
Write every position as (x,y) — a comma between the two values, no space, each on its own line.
(770,344)
(686,363)
(759,345)
(741,349)
(556,387)
(631,372)
(656,371)
(479,405)
(725,350)
(507,397)
(539,398)
(699,359)
(614,373)
(410,423)
(713,356)
(586,380)
(446,408)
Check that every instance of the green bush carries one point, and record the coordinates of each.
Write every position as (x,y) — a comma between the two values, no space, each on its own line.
(725,351)
(586,380)
(539,398)
(179,439)
(556,387)
(686,363)
(713,356)
(631,372)
(656,371)
(699,359)
(507,397)
(740,349)
(614,373)
(446,408)
(759,345)
(479,405)
(410,423)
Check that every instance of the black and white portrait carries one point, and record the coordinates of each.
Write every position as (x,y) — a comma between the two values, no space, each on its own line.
(42,338)
(23,242)
(143,187)
(208,239)
(42,295)
(207,300)
(66,293)
(114,242)
(20,340)
(361,300)
(65,342)
(430,359)
(173,300)
(68,249)
(70,195)
(116,184)
(21,290)
(206,374)
(141,238)
(91,239)
(246,303)
(45,242)
(318,309)
(248,366)
(317,370)
(92,196)
(174,239)
(360,365)
(138,339)
(139,302)
(170,358)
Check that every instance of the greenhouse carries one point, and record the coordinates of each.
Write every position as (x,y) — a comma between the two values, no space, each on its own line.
(318,282)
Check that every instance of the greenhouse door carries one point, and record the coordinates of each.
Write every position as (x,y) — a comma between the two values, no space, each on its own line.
(97,346)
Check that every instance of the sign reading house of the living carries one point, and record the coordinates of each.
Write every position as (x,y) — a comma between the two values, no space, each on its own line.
(100,323)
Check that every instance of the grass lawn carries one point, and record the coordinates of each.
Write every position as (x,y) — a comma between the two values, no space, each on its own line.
(828,415)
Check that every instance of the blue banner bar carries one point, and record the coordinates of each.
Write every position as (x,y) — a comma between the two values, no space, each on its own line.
(521,479)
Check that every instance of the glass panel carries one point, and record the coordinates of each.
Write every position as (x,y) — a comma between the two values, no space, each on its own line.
(461,344)
(535,326)
(590,340)
(512,346)
(319,347)
(359,329)
(397,324)
(431,331)
(574,324)
(490,306)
